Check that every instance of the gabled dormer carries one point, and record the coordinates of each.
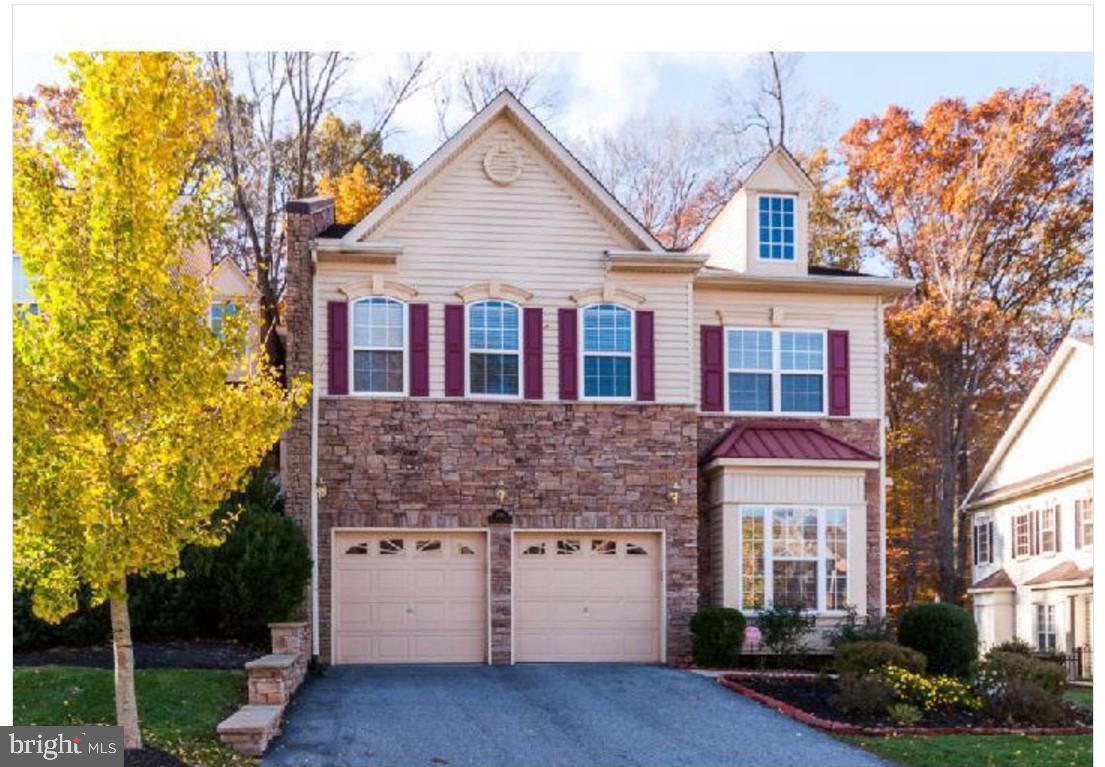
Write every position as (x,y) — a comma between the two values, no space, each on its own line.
(764,228)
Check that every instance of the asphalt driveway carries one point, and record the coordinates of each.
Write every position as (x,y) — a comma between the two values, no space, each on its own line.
(536,715)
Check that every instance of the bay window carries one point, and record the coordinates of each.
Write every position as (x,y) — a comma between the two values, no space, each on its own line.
(775,371)
(794,557)
(607,352)
(379,344)
(494,349)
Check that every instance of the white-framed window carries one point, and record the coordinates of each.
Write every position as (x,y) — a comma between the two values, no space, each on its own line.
(494,349)
(1049,530)
(378,348)
(1045,627)
(775,371)
(776,226)
(793,556)
(220,310)
(607,346)
(983,541)
(1083,521)
(1022,535)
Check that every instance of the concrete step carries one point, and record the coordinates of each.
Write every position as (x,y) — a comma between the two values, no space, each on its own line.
(273,660)
(250,728)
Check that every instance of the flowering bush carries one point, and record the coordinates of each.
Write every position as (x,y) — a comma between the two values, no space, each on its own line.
(930,692)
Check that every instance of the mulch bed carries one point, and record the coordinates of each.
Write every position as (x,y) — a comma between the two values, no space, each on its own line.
(150,757)
(200,654)
(808,699)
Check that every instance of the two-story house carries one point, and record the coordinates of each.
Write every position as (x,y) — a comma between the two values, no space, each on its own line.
(535,434)
(1031,515)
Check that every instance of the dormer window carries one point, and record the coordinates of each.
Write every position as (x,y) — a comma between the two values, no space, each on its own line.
(776,228)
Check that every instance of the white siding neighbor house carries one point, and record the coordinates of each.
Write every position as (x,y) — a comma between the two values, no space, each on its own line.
(1031,516)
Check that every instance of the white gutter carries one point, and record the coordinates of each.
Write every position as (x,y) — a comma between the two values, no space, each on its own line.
(314,477)
(881,286)
(882,458)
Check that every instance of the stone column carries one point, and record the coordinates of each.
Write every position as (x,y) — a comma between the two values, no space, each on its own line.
(499,541)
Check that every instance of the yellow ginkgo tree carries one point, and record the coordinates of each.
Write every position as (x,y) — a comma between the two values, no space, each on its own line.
(126,433)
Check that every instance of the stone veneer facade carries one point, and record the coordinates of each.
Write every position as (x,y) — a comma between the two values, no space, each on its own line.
(437,463)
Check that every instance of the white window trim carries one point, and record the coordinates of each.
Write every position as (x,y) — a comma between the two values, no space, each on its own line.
(468,352)
(353,348)
(583,354)
(1027,514)
(976,542)
(769,559)
(1049,617)
(1080,519)
(1054,530)
(769,260)
(777,373)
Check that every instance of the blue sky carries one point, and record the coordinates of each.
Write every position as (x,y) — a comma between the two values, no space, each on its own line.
(601,91)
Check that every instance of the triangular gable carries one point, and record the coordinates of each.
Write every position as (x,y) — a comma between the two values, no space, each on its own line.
(532,128)
(228,280)
(1040,404)
(778,158)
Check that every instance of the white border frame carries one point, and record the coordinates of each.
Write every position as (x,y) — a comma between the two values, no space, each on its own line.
(756,210)
(581,531)
(468,352)
(353,349)
(777,373)
(334,612)
(583,353)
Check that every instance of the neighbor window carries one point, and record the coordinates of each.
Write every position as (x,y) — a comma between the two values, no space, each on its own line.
(21,288)
(1049,533)
(780,371)
(1022,535)
(220,311)
(983,541)
(379,342)
(494,351)
(607,351)
(1045,627)
(776,227)
(794,557)
(1083,521)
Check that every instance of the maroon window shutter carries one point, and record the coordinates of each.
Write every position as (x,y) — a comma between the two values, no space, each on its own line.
(534,385)
(567,337)
(646,355)
(337,334)
(420,350)
(713,368)
(1058,527)
(454,350)
(840,397)
(990,539)
(974,542)
(1078,524)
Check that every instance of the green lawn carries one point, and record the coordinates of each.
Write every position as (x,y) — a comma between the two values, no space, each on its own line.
(179,708)
(1083,696)
(983,750)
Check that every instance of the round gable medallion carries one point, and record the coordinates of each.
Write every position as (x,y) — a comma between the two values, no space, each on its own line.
(502,164)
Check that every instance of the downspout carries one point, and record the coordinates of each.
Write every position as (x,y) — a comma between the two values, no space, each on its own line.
(314,473)
(882,460)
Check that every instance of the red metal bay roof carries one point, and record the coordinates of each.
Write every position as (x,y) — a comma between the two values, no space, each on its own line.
(786,440)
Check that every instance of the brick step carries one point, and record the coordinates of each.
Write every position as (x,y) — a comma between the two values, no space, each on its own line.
(250,728)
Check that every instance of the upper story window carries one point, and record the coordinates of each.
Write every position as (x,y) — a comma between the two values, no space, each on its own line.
(379,346)
(776,227)
(780,371)
(494,350)
(1083,522)
(220,310)
(983,542)
(607,352)
(1036,532)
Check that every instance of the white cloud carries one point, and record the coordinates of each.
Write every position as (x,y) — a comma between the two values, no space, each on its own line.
(604,90)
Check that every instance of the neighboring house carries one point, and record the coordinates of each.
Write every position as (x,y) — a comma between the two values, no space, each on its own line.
(1031,515)
(21,287)
(537,435)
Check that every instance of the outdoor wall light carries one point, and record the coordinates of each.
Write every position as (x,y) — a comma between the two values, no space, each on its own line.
(500,493)
(320,488)
(673,493)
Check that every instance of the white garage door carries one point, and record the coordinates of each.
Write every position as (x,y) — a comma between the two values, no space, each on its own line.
(593,596)
(408,596)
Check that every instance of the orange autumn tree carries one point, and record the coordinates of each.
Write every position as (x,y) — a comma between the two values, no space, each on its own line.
(988,207)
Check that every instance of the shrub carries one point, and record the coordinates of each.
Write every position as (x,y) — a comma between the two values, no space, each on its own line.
(856,629)
(864,657)
(1020,701)
(930,692)
(230,592)
(944,633)
(1014,645)
(717,634)
(1001,667)
(862,694)
(783,629)
(904,714)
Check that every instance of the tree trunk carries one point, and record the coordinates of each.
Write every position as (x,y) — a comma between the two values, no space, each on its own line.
(126,703)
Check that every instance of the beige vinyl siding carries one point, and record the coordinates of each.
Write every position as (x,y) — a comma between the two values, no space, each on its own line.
(857,314)
(718,561)
(538,234)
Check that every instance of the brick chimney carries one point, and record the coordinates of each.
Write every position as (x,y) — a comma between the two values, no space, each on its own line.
(305,219)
